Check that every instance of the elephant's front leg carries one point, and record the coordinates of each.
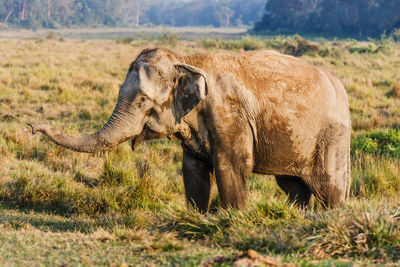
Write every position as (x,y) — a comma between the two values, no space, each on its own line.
(233,164)
(197,176)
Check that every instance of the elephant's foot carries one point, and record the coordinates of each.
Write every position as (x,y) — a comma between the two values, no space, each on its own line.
(328,193)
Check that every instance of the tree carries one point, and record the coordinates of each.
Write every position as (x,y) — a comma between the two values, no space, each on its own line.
(10,7)
(65,13)
(362,18)
(224,14)
(48,8)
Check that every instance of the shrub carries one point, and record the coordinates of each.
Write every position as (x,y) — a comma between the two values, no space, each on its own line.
(396,35)
(379,143)
(208,43)
(51,36)
(124,40)
(246,43)
(170,39)
(297,46)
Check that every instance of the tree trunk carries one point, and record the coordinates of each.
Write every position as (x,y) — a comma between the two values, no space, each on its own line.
(23,10)
(8,15)
(220,18)
(48,8)
(137,13)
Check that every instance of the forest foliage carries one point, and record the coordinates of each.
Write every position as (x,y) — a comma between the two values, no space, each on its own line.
(84,13)
(333,18)
(342,18)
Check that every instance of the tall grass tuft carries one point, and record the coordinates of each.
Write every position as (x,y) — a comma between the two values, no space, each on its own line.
(374,176)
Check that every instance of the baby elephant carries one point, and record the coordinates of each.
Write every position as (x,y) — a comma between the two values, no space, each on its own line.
(234,114)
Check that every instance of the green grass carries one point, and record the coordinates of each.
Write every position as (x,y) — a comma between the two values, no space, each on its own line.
(379,143)
(118,206)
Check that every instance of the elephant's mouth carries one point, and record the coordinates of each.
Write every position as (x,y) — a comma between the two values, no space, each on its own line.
(133,143)
(146,134)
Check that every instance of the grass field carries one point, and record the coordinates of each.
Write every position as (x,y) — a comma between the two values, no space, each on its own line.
(121,208)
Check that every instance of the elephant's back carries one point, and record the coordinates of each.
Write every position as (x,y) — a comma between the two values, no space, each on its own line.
(283,85)
(269,71)
(261,71)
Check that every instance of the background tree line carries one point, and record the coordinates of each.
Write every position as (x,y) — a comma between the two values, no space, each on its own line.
(71,13)
(363,18)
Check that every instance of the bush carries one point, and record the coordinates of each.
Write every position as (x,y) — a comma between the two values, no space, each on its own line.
(210,43)
(170,39)
(396,35)
(378,143)
(298,46)
(51,36)
(124,40)
(295,46)
(245,43)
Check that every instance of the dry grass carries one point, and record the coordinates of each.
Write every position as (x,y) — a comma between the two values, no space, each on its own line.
(62,207)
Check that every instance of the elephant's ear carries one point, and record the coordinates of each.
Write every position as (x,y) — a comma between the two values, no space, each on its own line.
(191,88)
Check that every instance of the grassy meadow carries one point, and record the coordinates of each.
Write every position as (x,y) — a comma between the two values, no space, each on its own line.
(120,208)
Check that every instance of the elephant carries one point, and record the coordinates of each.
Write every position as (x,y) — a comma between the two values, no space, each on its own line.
(234,114)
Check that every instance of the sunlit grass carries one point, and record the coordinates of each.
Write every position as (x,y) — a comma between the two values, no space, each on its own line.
(134,201)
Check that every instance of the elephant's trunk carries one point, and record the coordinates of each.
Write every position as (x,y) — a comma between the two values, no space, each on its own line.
(117,130)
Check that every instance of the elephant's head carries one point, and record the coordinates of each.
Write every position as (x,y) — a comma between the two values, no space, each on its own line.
(159,90)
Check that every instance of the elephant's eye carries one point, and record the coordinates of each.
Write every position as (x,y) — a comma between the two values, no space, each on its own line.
(142,99)
(180,81)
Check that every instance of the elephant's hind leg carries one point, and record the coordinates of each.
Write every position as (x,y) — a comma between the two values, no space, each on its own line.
(298,192)
(330,179)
